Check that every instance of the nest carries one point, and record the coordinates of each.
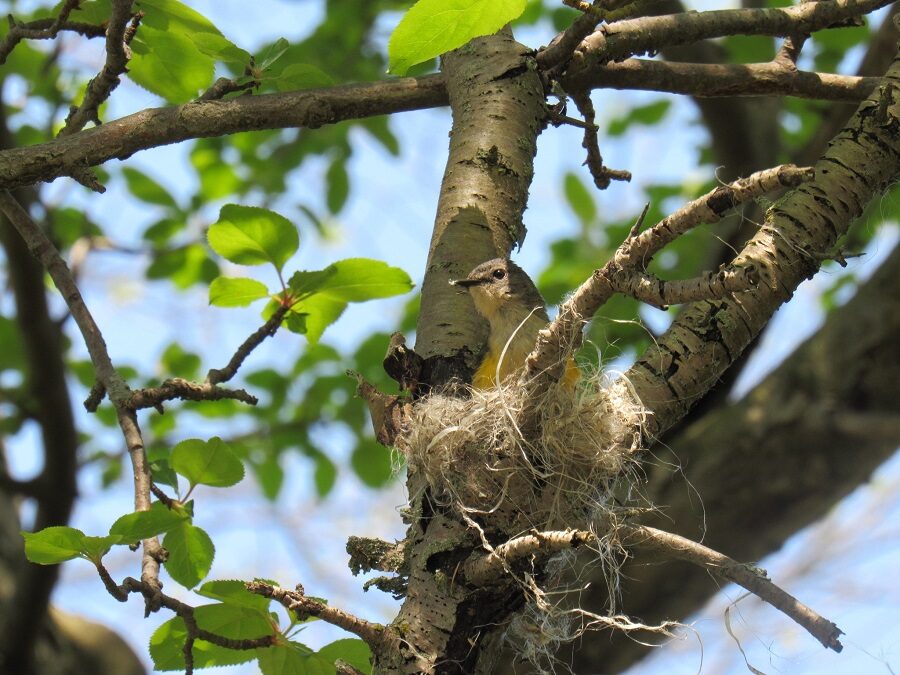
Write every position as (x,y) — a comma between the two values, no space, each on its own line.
(515,464)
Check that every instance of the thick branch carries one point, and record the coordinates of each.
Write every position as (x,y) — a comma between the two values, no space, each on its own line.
(708,80)
(800,232)
(154,127)
(650,34)
(624,272)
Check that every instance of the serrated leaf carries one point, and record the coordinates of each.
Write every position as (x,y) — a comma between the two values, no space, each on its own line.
(352,650)
(146,189)
(272,53)
(53,545)
(249,235)
(140,525)
(94,548)
(283,659)
(371,461)
(350,280)
(209,462)
(236,292)
(233,592)
(191,554)
(579,198)
(434,27)
(237,623)
(169,65)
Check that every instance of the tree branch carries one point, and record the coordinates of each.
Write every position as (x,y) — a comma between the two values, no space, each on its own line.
(708,80)
(119,393)
(651,33)
(372,634)
(154,127)
(624,272)
(750,578)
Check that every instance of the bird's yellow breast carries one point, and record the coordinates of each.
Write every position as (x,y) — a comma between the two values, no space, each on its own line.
(506,355)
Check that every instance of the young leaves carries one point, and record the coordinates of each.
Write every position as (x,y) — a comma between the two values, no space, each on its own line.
(253,236)
(433,27)
(209,462)
(249,235)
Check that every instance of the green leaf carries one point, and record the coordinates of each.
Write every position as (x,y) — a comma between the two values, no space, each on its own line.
(645,114)
(94,548)
(324,475)
(231,621)
(233,592)
(163,230)
(372,462)
(184,266)
(284,659)
(180,363)
(134,527)
(353,651)
(209,462)
(270,476)
(249,235)
(191,554)
(434,27)
(337,184)
(300,76)
(169,65)
(146,189)
(350,280)
(580,199)
(272,53)
(53,545)
(240,292)
(11,355)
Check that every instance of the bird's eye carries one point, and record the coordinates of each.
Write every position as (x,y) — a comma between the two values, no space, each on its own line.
(498,273)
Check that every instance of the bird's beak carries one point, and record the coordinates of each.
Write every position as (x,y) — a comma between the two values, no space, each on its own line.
(468,281)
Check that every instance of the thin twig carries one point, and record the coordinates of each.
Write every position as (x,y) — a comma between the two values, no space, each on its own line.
(297,601)
(747,576)
(601,174)
(268,329)
(179,388)
(46,29)
(42,248)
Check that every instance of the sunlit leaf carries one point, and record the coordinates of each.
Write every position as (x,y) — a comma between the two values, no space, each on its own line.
(240,292)
(191,554)
(134,527)
(434,27)
(209,462)
(53,545)
(249,235)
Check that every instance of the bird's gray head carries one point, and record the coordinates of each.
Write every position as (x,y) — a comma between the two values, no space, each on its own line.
(499,285)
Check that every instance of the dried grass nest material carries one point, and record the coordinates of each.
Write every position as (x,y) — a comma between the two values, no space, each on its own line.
(476,453)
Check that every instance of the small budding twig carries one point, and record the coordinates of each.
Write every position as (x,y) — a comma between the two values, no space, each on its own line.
(297,601)
(268,329)
(601,174)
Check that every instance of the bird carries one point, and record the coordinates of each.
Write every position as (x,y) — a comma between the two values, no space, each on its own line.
(505,296)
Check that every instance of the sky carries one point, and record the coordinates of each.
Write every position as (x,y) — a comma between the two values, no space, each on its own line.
(389,215)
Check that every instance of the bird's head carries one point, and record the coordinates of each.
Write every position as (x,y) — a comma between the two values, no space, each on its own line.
(500,285)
